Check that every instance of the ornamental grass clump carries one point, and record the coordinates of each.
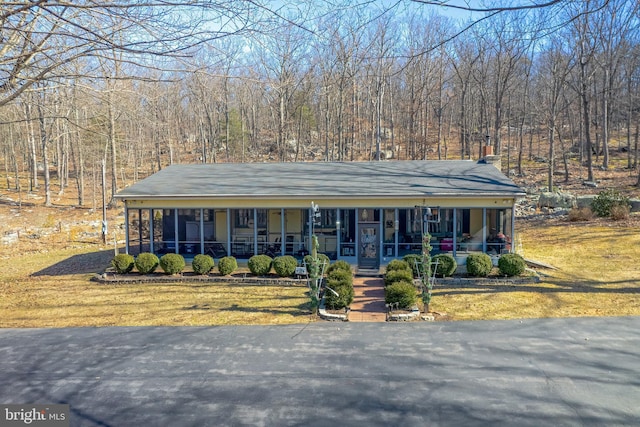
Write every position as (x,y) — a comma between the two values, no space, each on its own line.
(446,265)
(123,263)
(202,264)
(172,263)
(227,265)
(146,263)
(285,266)
(511,265)
(260,265)
(479,265)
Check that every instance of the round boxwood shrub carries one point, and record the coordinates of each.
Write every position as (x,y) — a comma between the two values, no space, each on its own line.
(415,262)
(146,263)
(339,281)
(202,264)
(479,265)
(123,263)
(403,293)
(511,264)
(446,265)
(172,263)
(285,266)
(260,265)
(227,265)
(339,265)
(397,264)
(398,276)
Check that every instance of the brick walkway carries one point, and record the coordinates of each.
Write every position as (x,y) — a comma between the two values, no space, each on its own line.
(368,301)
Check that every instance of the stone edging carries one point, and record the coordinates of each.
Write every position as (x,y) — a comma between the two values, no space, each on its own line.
(469,281)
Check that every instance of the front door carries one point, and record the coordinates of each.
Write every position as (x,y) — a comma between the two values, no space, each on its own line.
(369,246)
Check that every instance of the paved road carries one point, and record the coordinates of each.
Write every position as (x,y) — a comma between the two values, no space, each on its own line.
(564,372)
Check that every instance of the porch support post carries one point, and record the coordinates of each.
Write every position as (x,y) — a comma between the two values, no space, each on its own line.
(455,230)
(396,229)
(356,239)
(484,230)
(255,231)
(380,235)
(126,228)
(513,228)
(201,230)
(151,236)
(283,225)
(228,232)
(175,230)
(338,233)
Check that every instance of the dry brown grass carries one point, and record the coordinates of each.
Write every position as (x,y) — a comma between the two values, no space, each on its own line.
(38,293)
(598,275)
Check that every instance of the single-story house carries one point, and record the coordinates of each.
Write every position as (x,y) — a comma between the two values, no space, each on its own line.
(365,213)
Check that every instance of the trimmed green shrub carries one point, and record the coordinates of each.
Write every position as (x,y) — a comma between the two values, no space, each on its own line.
(260,265)
(446,265)
(479,265)
(146,263)
(341,282)
(202,264)
(339,265)
(227,265)
(398,276)
(606,200)
(511,265)
(172,263)
(285,266)
(411,260)
(321,257)
(397,264)
(123,263)
(403,293)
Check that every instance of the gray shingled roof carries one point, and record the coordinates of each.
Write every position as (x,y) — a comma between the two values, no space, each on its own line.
(319,179)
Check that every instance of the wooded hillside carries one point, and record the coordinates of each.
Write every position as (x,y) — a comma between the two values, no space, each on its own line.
(553,87)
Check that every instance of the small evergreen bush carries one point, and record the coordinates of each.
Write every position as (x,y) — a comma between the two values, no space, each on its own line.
(511,265)
(339,265)
(123,263)
(411,260)
(398,276)
(260,265)
(285,266)
(606,200)
(446,265)
(227,265)
(146,263)
(403,293)
(321,257)
(172,263)
(202,264)
(341,282)
(397,264)
(479,265)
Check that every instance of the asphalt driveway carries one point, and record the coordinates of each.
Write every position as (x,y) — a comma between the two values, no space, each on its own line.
(561,372)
